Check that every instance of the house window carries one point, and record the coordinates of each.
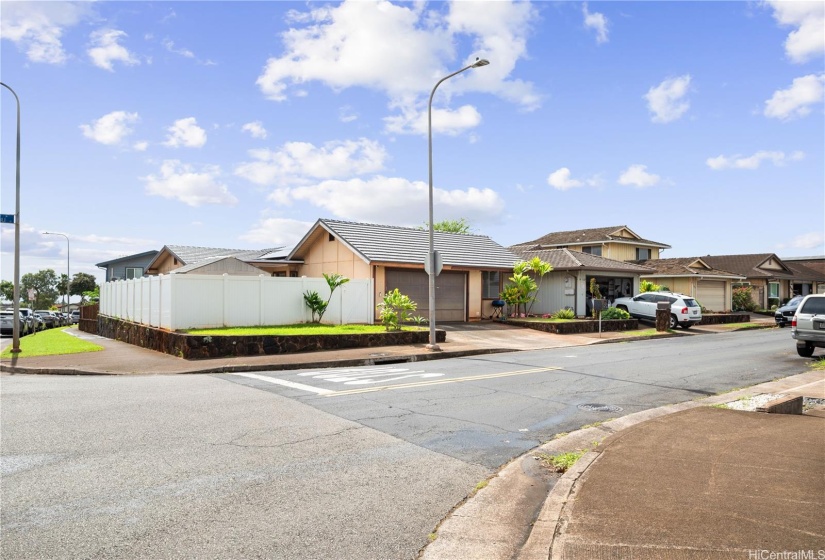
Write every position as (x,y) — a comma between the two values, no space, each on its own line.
(331,237)
(773,289)
(593,250)
(642,254)
(134,272)
(490,284)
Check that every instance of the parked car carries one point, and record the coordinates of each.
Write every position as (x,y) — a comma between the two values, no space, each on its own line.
(49,318)
(75,316)
(7,323)
(684,310)
(34,321)
(808,325)
(785,313)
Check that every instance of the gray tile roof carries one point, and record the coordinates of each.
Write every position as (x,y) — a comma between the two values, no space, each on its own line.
(680,266)
(565,259)
(592,235)
(188,254)
(747,265)
(392,244)
(148,255)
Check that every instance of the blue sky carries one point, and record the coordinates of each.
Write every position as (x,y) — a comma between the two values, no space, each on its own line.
(238,124)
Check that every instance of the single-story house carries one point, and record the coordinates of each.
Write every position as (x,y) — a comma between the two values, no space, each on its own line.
(809,275)
(568,284)
(174,258)
(474,266)
(128,267)
(771,280)
(692,276)
(616,242)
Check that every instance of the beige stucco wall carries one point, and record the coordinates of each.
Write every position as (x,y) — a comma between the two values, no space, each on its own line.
(624,252)
(474,291)
(329,257)
(166,264)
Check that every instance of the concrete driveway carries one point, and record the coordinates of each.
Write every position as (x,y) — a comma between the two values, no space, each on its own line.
(496,334)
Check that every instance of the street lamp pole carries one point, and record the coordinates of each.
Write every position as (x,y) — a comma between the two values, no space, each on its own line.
(15,345)
(433,345)
(68,266)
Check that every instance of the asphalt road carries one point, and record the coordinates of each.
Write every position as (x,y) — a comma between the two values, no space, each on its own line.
(325,464)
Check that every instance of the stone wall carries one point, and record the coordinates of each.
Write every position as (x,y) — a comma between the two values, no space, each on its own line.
(198,346)
(722,318)
(577,327)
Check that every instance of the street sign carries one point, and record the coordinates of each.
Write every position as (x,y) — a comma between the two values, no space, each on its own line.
(439,263)
(32,294)
(6,218)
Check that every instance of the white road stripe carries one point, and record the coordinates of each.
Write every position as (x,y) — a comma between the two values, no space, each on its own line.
(285,383)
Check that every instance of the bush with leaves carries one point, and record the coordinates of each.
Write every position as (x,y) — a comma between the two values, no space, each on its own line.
(395,309)
(523,289)
(614,313)
(647,286)
(565,313)
(743,299)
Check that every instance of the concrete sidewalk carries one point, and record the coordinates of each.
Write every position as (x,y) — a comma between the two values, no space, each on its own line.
(681,482)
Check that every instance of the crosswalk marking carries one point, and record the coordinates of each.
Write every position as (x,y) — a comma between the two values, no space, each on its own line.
(285,383)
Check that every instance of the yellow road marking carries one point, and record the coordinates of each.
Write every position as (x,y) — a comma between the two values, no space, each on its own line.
(439,382)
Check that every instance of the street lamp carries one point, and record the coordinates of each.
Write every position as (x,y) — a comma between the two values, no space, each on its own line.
(68,265)
(433,345)
(15,345)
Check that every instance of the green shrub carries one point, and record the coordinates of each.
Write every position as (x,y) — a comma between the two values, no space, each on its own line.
(316,305)
(564,314)
(614,313)
(743,300)
(394,310)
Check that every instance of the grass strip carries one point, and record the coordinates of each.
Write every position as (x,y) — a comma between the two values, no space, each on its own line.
(295,330)
(51,343)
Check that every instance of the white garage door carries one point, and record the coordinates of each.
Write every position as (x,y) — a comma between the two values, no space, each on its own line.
(450,292)
(711,295)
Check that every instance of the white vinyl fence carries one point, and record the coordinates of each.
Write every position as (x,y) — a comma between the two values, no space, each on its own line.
(179,301)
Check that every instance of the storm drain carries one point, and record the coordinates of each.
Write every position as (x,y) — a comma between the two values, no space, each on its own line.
(595,407)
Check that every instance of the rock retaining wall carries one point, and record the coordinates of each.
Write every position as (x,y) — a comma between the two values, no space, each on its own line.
(198,346)
(722,318)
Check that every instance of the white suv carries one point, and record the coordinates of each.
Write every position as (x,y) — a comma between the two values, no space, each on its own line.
(808,325)
(684,311)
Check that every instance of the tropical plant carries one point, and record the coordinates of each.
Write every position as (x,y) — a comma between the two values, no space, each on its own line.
(313,300)
(394,310)
(612,313)
(565,313)
(521,286)
(539,268)
(596,293)
(647,286)
(451,226)
(316,305)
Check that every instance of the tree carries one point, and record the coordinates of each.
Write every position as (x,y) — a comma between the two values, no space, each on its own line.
(7,290)
(539,268)
(521,287)
(82,283)
(318,306)
(451,226)
(45,285)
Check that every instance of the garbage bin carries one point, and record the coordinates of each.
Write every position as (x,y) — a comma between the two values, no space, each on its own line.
(662,316)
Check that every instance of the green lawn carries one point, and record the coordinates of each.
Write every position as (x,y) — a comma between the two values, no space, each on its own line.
(294,330)
(51,342)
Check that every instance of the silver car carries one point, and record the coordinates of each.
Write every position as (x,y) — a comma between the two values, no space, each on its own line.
(808,325)
(7,323)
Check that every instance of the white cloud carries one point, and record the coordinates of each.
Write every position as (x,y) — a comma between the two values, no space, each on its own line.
(169,45)
(794,102)
(596,21)
(186,133)
(296,162)
(808,40)
(255,129)
(335,45)
(397,201)
(445,121)
(110,129)
(37,27)
(752,162)
(347,114)
(179,181)
(666,101)
(637,176)
(560,179)
(810,240)
(271,232)
(140,146)
(106,49)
